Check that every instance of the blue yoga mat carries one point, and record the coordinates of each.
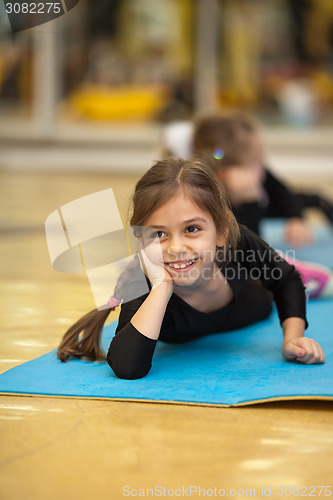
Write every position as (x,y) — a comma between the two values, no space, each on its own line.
(228,369)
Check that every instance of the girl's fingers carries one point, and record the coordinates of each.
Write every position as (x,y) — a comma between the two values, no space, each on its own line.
(298,233)
(141,255)
(305,351)
(309,349)
(314,353)
(318,356)
(292,351)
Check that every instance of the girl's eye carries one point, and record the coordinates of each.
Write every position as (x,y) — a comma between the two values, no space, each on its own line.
(193,229)
(157,234)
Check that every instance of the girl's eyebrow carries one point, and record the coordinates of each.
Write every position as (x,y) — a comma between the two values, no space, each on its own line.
(195,219)
(189,221)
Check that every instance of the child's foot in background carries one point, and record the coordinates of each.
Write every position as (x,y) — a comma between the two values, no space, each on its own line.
(317,279)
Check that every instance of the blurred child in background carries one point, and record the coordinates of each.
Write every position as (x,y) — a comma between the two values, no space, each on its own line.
(235,142)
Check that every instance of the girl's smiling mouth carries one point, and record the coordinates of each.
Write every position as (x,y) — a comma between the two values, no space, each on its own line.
(181,265)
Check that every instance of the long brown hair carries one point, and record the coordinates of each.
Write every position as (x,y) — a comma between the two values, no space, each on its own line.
(157,186)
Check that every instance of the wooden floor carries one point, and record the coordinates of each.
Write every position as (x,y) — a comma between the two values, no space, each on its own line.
(57,448)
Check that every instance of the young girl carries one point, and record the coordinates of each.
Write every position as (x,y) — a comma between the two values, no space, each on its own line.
(211,276)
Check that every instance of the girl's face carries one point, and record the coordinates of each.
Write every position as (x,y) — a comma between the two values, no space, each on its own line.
(255,157)
(187,237)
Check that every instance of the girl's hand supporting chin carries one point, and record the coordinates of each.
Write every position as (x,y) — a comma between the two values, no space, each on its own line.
(152,264)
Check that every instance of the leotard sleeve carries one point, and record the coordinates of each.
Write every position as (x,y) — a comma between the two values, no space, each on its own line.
(263,262)
(130,353)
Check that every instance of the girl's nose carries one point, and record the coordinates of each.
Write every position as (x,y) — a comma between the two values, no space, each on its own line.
(176,248)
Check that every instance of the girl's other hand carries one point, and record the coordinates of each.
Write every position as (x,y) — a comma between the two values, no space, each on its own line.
(298,233)
(304,350)
(152,264)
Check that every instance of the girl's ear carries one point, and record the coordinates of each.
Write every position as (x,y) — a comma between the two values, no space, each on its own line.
(222,238)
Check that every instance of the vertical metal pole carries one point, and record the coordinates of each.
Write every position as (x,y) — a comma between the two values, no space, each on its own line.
(206,55)
(46,79)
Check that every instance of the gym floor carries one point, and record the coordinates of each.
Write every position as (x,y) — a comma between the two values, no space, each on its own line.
(55,448)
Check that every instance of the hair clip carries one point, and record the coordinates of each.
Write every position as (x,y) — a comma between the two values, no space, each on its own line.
(113,303)
(218,154)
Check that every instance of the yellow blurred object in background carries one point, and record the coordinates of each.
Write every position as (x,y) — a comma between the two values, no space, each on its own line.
(120,103)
